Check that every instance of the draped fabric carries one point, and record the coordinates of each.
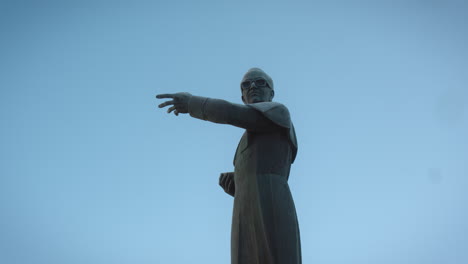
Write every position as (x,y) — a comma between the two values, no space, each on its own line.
(264,222)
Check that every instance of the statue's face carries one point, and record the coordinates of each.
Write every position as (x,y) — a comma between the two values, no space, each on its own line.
(255,88)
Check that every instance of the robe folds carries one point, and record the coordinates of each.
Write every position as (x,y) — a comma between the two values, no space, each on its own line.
(264,229)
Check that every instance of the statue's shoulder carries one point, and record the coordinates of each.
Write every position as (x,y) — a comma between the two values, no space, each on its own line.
(279,114)
(276,112)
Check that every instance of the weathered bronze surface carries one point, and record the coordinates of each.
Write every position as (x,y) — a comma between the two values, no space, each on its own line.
(264,222)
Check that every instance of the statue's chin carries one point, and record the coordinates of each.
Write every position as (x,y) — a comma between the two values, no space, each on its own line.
(256,100)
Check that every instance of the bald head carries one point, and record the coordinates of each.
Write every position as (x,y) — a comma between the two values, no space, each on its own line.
(255,73)
(257,86)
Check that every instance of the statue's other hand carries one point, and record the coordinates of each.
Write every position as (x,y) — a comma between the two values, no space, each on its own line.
(226,181)
(179,102)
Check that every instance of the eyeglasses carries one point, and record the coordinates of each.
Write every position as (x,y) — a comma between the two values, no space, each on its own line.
(258,83)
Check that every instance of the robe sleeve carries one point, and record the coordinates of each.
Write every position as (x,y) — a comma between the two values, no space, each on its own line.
(224,112)
(258,117)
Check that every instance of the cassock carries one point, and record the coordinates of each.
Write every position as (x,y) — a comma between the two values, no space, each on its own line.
(264,229)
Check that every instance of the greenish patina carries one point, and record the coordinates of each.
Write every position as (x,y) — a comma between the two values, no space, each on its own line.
(265,229)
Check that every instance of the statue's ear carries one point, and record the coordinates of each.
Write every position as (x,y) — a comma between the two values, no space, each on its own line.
(242,97)
(272,92)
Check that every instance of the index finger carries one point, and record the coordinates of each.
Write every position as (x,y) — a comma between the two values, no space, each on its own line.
(159,96)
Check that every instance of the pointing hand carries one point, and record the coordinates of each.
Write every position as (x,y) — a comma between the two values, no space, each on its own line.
(179,102)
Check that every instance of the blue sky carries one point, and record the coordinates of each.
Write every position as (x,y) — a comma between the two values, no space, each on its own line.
(93,172)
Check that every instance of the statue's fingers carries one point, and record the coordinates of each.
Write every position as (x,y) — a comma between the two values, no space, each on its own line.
(225,180)
(221,176)
(230,186)
(221,179)
(176,112)
(172,108)
(166,103)
(159,96)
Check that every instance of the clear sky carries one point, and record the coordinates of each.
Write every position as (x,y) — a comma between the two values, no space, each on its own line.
(91,171)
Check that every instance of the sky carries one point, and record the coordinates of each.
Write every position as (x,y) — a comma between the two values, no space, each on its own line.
(91,171)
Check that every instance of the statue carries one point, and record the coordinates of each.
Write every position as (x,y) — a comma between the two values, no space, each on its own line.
(264,222)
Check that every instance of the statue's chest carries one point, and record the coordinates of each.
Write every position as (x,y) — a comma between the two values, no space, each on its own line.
(241,147)
(261,149)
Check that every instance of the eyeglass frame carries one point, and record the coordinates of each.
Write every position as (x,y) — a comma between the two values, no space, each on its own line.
(255,81)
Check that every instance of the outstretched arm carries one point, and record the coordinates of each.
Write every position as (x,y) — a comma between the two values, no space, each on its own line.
(218,111)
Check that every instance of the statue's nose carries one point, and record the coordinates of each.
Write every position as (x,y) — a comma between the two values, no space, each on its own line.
(252,85)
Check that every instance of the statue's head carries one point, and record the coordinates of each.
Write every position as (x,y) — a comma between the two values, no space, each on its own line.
(256,87)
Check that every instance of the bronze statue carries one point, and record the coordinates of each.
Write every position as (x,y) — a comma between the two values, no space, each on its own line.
(264,222)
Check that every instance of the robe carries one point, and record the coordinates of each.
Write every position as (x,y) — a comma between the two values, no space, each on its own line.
(264,229)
